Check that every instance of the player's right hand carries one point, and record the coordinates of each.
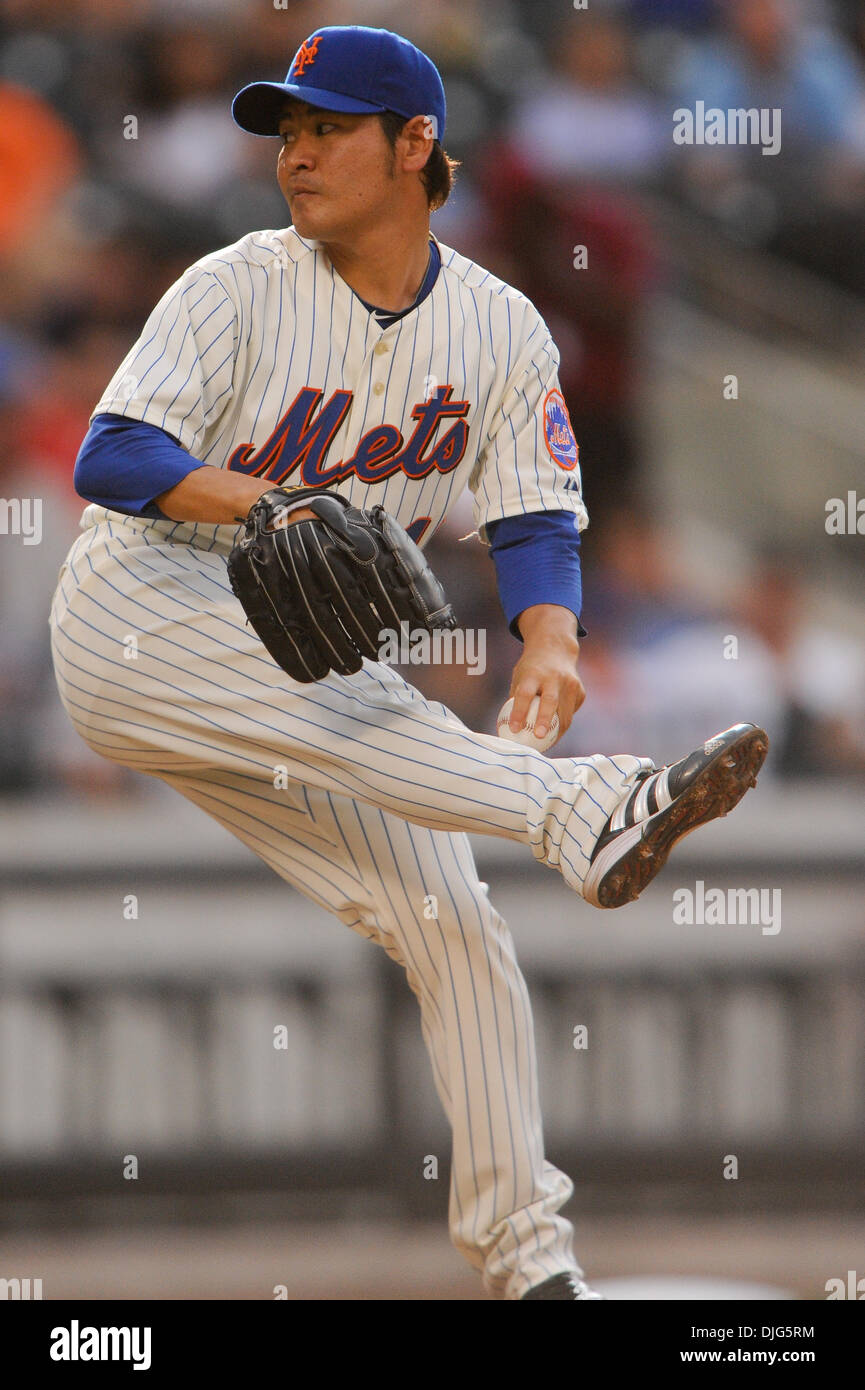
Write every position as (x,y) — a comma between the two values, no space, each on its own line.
(547,668)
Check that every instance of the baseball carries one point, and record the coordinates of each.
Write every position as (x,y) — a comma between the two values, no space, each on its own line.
(527,733)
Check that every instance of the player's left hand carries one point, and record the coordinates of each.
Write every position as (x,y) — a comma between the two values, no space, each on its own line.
(547,668)
(320,580)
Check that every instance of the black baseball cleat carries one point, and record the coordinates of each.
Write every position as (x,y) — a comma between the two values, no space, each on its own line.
(665,806)
(566,1288)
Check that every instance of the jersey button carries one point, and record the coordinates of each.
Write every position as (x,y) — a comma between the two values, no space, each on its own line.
(378,388)
(381,348)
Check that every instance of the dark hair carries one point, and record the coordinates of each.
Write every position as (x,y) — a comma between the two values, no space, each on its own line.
(438,173)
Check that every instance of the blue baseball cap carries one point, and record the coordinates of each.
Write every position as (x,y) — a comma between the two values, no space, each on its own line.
(348,68)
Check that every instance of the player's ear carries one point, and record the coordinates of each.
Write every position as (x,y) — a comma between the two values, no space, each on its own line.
(415,142)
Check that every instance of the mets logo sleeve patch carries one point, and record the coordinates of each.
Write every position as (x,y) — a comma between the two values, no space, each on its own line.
(529,462)
(558,431)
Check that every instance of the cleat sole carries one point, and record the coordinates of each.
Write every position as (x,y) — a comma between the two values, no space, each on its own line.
(713,794)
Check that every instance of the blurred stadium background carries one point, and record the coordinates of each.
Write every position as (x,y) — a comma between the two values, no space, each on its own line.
(151,1035)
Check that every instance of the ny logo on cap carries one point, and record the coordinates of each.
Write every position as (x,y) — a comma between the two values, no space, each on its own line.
(305,55)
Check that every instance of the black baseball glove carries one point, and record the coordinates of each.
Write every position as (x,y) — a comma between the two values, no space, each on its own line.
(319,592)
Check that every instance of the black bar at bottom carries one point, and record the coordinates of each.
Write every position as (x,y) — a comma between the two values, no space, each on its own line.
(161,1340)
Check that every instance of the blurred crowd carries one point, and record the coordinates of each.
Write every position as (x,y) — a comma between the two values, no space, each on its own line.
(120,165)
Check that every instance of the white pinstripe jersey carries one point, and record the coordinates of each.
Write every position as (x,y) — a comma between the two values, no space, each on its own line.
(262,359)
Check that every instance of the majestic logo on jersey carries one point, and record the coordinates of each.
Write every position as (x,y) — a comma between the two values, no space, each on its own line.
(558,431)
(300,442)
(305,56)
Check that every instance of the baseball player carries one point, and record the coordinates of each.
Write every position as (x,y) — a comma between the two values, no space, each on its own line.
(352,356)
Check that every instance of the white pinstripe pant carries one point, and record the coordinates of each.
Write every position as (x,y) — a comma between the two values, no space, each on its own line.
(382,788)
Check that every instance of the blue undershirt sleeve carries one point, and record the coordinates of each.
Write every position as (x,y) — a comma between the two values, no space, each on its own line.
(124,464)
(537,560)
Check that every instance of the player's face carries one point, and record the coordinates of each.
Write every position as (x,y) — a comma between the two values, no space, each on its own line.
(336,171)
